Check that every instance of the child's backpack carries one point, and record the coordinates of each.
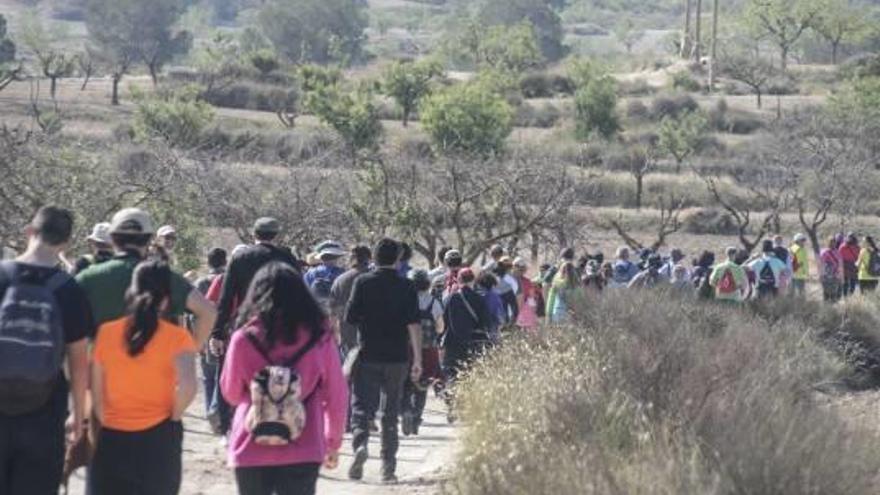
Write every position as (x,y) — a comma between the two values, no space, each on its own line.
(727,284)
(429,324)
(277,414)
(31,341)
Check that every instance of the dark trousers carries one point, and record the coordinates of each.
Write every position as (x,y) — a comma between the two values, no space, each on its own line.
(414,400)
(868,286)
(370,381)
(32,450)
(139,463)
(219,412)
(295,479)
(849,285)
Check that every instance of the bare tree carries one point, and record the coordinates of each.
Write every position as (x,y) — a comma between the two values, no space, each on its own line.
(741,214)
(669,223)
(749,69)
(714,47)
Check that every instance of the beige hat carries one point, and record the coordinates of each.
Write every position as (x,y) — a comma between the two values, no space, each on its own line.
(132,221)
(165,230)
(100,233)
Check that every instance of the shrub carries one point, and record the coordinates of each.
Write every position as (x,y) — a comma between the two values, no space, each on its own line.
(291,147)
(546,115)
(596,109)
(782,87)
(636,87)
(468,118)
(648,393)
(744,124)
(252,96)
(683,81)
(177,119)
(866,65)
(637,110)
(672,106)
(536,85)
(709,222)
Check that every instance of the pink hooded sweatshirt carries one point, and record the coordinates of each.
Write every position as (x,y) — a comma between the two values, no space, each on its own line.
(326,409)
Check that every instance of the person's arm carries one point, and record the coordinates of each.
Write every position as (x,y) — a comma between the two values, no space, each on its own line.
(354,308)
(205,316)
(415,343)
(97,389)
(234,378)
(227,301)
(78,367)
(334,389)
(187,384)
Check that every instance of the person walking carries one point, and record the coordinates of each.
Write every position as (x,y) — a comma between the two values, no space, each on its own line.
(800,265)
(869,266)
(729,279)
(564,289)
(165,242)
(143,379)
(849,253)
(285,335)
(385,309)
(415,392)
(527,299)
(831,273)
(651,276)
(360,257)
(466,321)
(770,272)
(35,346)
(320,278)
(624,269)
(217,259)
(100,247)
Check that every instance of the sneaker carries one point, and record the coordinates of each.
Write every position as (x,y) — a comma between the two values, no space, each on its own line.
(374,426)
(356,471)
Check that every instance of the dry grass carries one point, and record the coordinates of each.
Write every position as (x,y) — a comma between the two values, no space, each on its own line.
(648,393)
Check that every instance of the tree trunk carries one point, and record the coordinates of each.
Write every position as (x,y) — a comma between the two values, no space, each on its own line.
(53,86)
(86,82)
(783,53)
(714,48)
(154,74)
(698,36)
(114,99)
(640,186)
(758,95)
(835,47)
(686,34)
(406,117)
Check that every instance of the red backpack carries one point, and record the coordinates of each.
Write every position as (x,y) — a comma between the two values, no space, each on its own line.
(727,284)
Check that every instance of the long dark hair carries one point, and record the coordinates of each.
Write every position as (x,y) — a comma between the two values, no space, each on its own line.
(150,288)
(278,296)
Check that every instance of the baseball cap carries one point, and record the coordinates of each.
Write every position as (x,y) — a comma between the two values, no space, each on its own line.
(132,221)
(520,262)
(165,230)
(800,238)
(101,233)
(452,254)
(267,225)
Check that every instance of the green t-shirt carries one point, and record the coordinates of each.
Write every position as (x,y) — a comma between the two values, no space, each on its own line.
(106,283)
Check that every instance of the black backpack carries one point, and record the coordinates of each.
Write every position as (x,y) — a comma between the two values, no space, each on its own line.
(429,324)
(31,341)
(767,279)
(874,264)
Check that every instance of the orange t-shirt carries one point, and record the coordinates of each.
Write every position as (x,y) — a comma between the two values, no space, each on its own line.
(139,390)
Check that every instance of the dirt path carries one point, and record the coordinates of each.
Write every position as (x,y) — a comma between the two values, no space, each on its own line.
(421,461)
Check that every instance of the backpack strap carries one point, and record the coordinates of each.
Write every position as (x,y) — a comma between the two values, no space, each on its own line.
(470,309)
(290,363)
(57,281)
(10,271)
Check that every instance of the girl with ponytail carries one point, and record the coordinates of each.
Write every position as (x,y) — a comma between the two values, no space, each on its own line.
(143,379)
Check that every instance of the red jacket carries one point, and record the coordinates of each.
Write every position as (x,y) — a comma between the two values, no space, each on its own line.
(849,253)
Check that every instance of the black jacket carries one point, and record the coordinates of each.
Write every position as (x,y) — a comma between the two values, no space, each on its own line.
(238,279)
(460,324)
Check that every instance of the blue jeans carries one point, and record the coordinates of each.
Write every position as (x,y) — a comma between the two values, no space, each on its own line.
(209,381)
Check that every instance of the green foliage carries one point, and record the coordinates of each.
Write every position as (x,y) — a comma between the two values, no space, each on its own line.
(684,81)
(859,102)
(680,137)
(782,22)
(509,48)
(265,61)
(627,34)
(840,22)
(315,30)
(409,82)
(541,14)
(177,118)
(352,114)
(468,118)
(596,109)
(315,77)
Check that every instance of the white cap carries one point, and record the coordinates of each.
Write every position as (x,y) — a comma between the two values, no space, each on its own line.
(101,233)
(165,230)
(800,238)
(132,221)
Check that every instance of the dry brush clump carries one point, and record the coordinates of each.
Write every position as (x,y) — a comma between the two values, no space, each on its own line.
(651,393)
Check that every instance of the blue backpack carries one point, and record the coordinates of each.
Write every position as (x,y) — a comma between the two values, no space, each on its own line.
(31,341)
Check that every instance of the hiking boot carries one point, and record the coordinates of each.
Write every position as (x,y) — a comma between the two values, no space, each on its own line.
(388,476)
(356,471)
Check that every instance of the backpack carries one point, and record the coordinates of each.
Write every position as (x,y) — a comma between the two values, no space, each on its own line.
(874,264)
(321,287)
(429,325)
(727,284)
(829,270)
(31,341)
(795,263)
(767,279)
(277,414)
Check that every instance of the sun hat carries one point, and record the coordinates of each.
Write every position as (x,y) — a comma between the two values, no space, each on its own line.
(329,250)
(165,230)
(101,233)
(132,221)
(267,225)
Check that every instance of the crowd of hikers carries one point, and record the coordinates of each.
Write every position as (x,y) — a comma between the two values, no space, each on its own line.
(98,355)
